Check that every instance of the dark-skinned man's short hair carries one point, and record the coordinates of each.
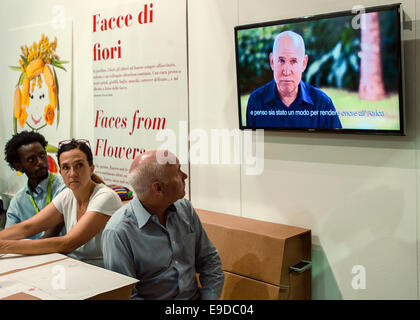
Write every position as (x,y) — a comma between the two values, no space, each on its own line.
(18,140)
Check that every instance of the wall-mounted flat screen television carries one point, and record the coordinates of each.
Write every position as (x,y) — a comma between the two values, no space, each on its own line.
(338,72)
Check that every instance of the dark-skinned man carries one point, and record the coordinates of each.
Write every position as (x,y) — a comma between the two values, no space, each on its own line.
(25,152)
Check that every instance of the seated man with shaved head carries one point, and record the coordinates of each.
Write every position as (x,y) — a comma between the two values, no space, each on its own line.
(287,101)
(158,237)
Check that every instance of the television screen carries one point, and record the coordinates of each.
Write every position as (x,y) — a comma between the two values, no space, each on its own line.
(338,72)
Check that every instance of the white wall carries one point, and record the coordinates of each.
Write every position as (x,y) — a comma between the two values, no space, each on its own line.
(358,194)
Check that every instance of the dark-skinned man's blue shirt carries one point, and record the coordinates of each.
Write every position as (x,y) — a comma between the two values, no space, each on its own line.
(312,108)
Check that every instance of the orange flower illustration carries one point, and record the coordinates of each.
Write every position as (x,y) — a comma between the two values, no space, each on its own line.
(53,96)
(25,89)
(49,114)
(22,115)
(18,102)
(52,165)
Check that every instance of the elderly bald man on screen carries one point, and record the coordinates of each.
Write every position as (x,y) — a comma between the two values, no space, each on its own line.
(158,237)
(287,101)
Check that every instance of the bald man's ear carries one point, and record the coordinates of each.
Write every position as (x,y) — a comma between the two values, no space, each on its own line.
(271,61)
(156,187)
(305,62)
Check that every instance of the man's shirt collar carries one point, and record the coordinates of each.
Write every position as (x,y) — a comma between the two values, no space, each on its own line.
(272,92)
(142,215)
(303,94)
(41,187)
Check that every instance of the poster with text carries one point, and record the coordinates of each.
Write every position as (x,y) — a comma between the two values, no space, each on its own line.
(139,54)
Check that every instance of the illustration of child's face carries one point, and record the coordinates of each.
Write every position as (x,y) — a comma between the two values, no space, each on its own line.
(38,100)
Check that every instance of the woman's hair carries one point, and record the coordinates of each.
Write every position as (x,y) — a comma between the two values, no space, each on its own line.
(97,179)
(68,145)
(82,145)
(21,139)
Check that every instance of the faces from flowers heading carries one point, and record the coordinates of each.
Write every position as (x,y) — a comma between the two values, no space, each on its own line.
(35,104)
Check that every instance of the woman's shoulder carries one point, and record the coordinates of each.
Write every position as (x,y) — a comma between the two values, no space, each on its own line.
(104,193)
(65,194)
(101,189)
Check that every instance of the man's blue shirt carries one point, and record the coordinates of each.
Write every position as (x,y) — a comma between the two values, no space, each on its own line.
(312,108)
(21,207)
(164,259)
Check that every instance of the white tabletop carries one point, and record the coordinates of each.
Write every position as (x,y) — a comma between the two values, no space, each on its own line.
(49,278)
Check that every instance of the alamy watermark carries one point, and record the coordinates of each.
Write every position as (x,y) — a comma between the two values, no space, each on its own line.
(58,281)
(359,20)
(59,17)
(359,280)
(221,146)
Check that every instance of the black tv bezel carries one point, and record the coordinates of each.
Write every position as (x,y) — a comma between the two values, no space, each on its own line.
(397,7)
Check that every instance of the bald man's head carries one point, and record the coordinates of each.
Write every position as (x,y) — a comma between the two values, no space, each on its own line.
(292,39)
(149,167)
(142,159)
